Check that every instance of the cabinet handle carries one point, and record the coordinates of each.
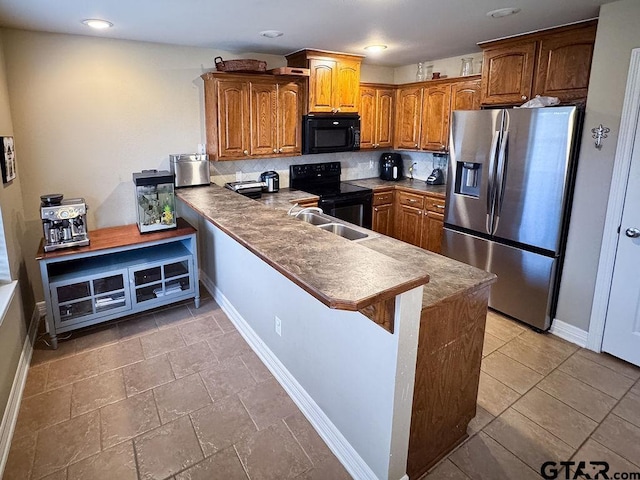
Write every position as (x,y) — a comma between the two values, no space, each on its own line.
(275,150)
(524,97)
(279,150)
(375,209)
(246,152)
(337,110)
(439,206)
(411,200)
(416,145)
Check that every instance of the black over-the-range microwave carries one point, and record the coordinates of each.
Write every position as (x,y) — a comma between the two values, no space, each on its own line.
(330,133)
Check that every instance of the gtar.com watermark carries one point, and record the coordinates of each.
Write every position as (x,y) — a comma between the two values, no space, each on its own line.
(581,470)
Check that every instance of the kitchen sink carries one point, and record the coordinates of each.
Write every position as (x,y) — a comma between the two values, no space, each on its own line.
(329,224)
(344,231)
(313,218)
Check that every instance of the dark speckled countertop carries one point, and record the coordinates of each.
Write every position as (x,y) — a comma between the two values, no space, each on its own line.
(417,185)
(340,273)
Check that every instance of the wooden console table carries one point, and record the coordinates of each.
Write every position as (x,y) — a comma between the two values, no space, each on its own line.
(120,273)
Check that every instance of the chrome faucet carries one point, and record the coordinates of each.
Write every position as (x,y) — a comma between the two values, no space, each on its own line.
(305,210)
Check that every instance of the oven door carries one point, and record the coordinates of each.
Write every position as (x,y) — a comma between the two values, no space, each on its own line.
(356,209)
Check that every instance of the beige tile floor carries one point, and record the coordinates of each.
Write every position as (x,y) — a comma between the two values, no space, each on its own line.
(178,394)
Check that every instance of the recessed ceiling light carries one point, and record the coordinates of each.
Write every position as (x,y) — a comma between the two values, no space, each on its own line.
(97,24)
(375,48)
(271,33)
(503,12)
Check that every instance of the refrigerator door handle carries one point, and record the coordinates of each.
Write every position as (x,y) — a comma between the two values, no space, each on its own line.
(500,179)
(491,187)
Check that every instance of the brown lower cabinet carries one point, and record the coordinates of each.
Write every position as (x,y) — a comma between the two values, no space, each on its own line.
(411,216)
(432,231)
(447,376)
(382,220)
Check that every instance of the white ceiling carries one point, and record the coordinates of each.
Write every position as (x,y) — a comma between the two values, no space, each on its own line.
(414,30)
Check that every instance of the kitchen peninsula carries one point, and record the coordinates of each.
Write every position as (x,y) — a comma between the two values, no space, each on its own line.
(377,341)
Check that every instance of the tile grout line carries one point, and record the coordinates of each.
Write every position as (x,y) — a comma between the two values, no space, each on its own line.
(286,425)
(607,366)
(535,385)
(244,467)
(576,450)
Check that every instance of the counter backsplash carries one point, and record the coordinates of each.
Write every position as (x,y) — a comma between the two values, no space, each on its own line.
(355,165)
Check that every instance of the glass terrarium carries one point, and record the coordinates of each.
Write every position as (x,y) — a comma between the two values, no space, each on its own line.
(155,199)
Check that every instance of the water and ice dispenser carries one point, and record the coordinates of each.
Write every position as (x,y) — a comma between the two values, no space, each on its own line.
(468,178)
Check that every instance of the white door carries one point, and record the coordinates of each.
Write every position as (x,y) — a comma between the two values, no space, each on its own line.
(622,327)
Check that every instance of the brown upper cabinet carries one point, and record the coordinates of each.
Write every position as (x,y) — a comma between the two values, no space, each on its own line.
(554,62)
(465,95)
(436,108)
(376,116)
(334,80)
(250,116)
(408,117)
(423,111)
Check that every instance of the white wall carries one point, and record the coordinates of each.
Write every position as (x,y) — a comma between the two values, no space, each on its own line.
(13,328)
(446,66)
(88,112)
(617,35)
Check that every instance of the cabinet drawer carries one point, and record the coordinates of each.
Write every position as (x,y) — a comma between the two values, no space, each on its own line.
(382,198)
(434,204)
(411,199)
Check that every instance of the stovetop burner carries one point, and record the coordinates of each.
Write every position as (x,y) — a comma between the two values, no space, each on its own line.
(341,188)
(322,179)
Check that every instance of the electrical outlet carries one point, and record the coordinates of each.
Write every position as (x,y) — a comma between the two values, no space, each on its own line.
(238,176)
(278,326)
(201,149)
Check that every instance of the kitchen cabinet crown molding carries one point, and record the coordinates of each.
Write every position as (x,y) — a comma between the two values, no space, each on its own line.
(527,36)
(553,62)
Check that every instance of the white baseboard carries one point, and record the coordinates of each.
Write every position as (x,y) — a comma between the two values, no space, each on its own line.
(15,396)
(569,332)
(336,442)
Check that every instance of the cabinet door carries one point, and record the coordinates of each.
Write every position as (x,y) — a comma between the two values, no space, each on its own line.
(264,97)
(564,64)
(289,118)
(160,280)
(436,105)
(367,117)
(408,227)
(346,92)
(382,221)
(322,83)
(233,119)
(408,113)
(465,95)
(384,118)
(507,74)
(432,231)
(86,299)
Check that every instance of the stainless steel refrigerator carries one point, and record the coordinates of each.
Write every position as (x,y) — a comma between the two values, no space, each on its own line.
(509,194)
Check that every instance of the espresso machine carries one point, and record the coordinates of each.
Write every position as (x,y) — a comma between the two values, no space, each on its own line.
(64,222)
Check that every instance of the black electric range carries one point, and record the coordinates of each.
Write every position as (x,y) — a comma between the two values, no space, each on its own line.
(339,199)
